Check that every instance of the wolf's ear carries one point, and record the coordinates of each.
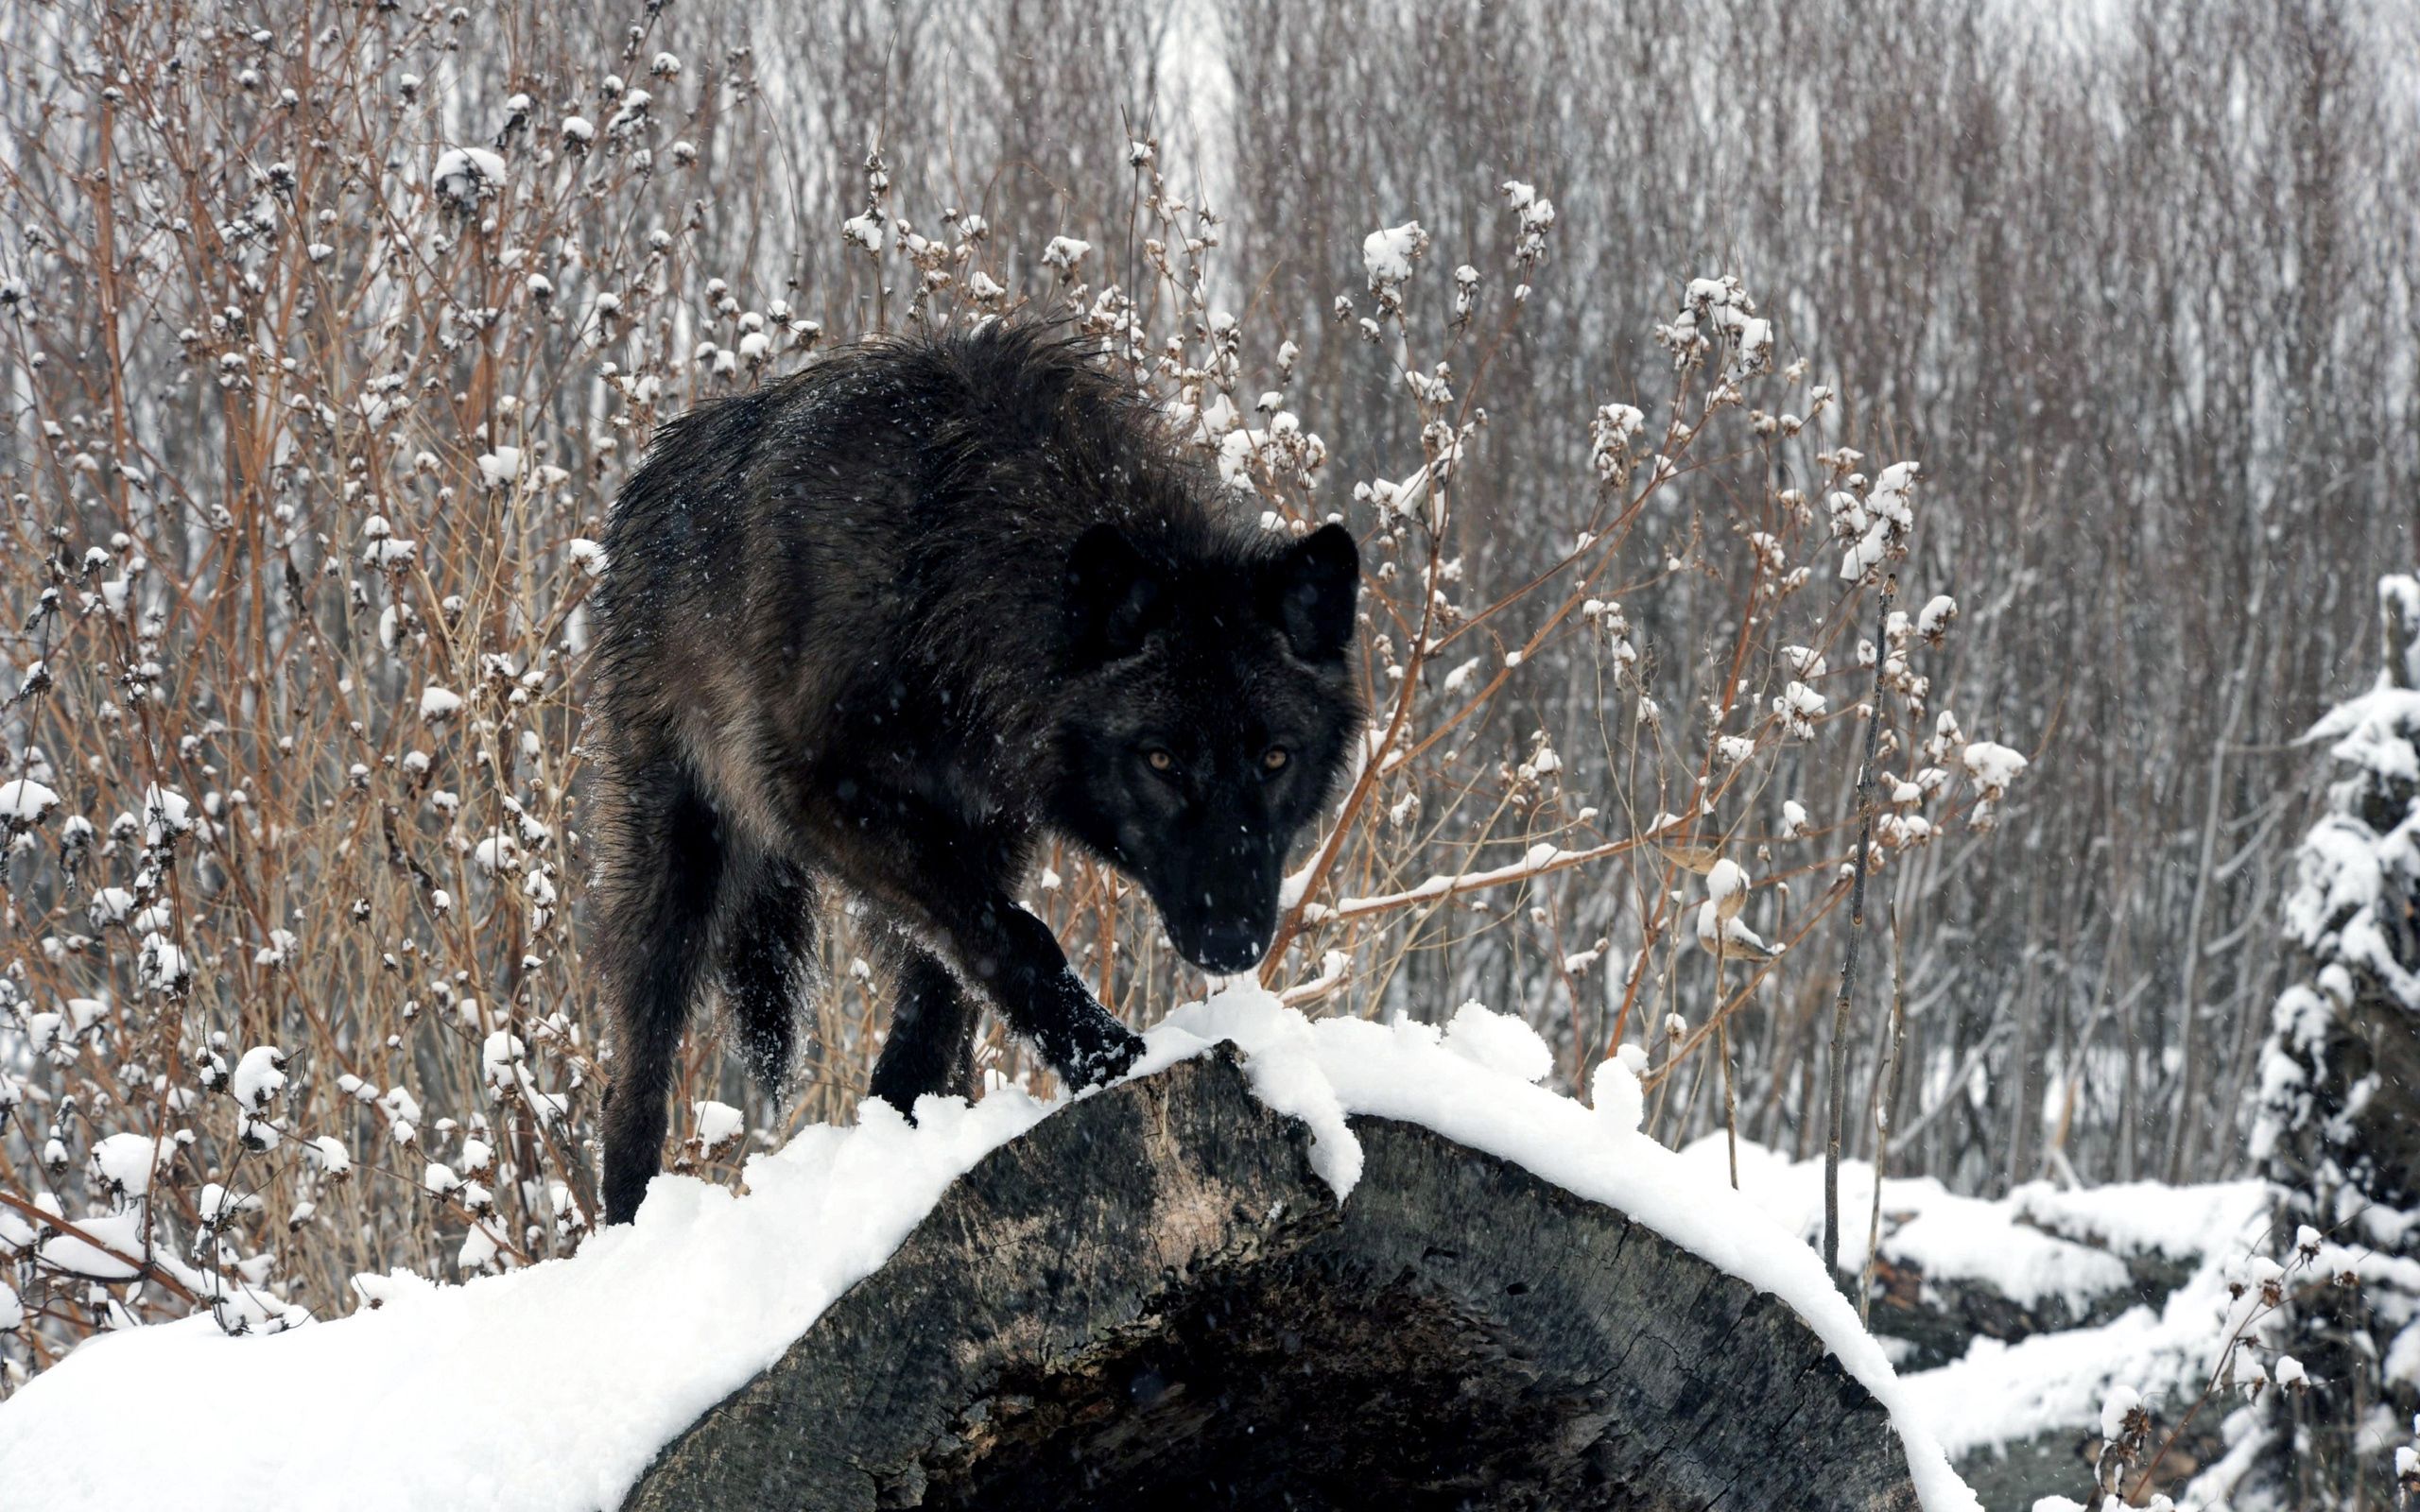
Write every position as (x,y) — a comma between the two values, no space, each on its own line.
(1111,594)
(1315,585)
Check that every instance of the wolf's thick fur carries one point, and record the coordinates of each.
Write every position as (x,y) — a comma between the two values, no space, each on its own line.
(886,623)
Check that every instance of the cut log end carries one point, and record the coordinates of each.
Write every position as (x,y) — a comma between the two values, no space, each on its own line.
(1151,1300)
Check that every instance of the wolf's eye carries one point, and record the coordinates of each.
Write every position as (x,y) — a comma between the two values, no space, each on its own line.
(1274,758)
(1161,761)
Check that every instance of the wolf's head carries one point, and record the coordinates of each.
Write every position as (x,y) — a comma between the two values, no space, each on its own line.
(1209,712)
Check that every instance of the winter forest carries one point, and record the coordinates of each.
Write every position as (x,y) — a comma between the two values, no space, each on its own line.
(1887,620)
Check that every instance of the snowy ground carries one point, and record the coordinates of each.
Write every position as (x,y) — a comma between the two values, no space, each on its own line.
(2081,1256)
(623,1346)
(2001,1393)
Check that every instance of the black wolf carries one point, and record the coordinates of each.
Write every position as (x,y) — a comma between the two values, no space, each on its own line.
(885,624)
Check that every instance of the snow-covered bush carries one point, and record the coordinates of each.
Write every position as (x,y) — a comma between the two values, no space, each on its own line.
(314,405)
(311,435)
(2318,1372)
(2338,1130)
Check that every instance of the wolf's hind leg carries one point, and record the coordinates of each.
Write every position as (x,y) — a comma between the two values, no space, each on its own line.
(655,916)
(931,1044)
(768,945)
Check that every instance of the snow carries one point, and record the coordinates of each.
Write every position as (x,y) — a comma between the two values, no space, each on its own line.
(128,1162)
(25,801)
(1963,1237)
(2001,1392)
(1538,858)
(1877,525)
(42,1031)
(2399,599)
(2121,1402)
(1719,924)
(1993,766)
(1925,1225)
(2402,1362)
(164,814)
(2347,911)
(117,1234)
(621,1347)
(333,1157)
(1618,1097)
(2371,731)
(110,905)
(161,964)
(1387,253)
(2038,1246)
(1799,706)
(467,175)
(1500,1042)
(718,1123)
(260,1077)
(2149,1217)
(499,468)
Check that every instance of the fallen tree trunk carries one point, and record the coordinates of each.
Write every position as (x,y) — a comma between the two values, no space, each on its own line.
(1150,1300)
(1940,1316)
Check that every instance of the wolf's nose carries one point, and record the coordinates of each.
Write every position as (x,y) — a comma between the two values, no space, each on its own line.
(1230,947)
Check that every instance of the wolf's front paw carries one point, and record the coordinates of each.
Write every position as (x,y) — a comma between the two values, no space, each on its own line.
(1087,1046)
(1105,1057)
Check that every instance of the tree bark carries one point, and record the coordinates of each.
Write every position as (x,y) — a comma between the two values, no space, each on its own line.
(1151,1300)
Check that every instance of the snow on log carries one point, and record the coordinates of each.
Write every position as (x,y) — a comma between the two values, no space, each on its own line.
(1950,1269)
(1311,1265)
(1154,1297)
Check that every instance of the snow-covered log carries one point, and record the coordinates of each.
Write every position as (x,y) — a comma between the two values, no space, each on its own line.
(1298,1264)
(2013,1320)
(1153,1298)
